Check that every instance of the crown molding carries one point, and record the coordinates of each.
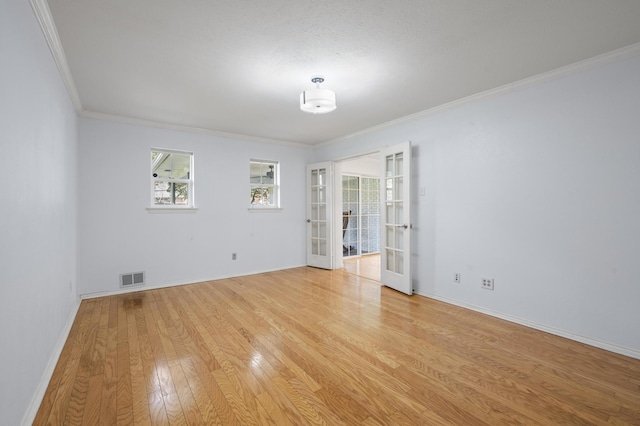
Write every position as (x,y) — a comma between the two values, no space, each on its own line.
(577,67)
(187,129)
(43,14)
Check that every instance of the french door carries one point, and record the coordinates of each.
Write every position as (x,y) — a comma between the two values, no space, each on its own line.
(395,217)
(319,214)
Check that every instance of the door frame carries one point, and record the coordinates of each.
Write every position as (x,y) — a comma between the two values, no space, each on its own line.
(337,205)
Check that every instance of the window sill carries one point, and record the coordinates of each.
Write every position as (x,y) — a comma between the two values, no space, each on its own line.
(171,210)
(264,209)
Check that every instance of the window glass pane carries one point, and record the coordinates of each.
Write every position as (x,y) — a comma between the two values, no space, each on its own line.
(269,172)
(181,166)
(399,242)
(255,173)
(321,198)
(322,212)
(322,230)
(399,214)
(391,260)
(390,213)
(181,194)
(168,193)
(390,236)
(171,165)
(353,183)
(399,262)
(322,249)
(399,165)
(389,166)
(261,195)
(160,164)
(162,193)
(262,172)
(322,176)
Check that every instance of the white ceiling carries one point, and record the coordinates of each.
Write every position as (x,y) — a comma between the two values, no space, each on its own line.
(238,66)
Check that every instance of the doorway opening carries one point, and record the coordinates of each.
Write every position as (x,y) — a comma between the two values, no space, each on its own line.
(360,215)
(360,185)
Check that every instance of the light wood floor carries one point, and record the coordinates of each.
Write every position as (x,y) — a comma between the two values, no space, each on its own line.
(367,266)
(308,346)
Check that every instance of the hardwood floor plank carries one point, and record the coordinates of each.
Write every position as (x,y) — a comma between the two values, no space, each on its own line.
(124,394)
(174,410)
(78,397)
(236,402)
(330,417)
(91,410)
(188,404)
(96,358)
(139,396)
(216,396)
(157,411)
(307,346)
(273,410)
(108,414)
(205,406)
(146,329)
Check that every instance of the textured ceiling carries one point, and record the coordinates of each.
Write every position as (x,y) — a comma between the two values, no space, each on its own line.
(238,66)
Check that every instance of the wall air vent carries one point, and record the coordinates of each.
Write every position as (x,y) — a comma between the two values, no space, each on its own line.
(132,279)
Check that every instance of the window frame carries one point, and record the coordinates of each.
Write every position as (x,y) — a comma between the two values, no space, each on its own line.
(275,186)
(190,182)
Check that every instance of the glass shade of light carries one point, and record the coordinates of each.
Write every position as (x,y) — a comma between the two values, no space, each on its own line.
(318,101)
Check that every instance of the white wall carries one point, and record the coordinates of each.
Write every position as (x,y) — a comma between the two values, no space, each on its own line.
(539,189)
(368,165)
(118,235)
(38,226)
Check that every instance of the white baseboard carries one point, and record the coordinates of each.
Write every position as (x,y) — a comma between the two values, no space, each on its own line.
(135,289)
(32,410)
(562,333)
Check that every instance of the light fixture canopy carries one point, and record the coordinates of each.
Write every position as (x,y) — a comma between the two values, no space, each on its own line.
(318,101)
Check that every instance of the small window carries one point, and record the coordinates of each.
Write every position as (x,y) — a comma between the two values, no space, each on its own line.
(264,182)
(171,179)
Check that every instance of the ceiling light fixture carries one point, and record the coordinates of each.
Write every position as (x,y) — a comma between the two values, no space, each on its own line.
(318,101)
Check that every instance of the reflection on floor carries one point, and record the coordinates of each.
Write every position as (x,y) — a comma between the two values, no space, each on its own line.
(367,266)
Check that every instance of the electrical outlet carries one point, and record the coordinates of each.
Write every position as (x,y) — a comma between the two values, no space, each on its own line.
(456,278)
(234,256)
(487,283)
